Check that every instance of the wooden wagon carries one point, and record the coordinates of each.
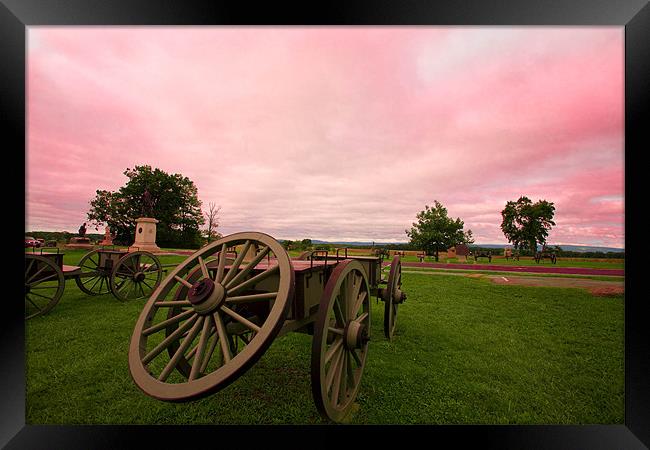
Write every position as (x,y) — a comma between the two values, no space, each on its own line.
(127,275)
(213,317)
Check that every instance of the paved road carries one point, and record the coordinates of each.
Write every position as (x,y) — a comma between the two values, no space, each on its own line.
(529,269)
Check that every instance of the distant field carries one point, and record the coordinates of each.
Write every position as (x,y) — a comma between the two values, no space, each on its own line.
(467,351)
(594,263)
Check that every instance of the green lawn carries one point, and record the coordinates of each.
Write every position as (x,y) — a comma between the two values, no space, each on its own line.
(467,351)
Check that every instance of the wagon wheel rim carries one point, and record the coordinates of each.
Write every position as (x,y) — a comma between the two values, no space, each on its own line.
(340,343)
(390,304)
(202,313)
(304,256)
(44,285)
(94,280)
(136,275)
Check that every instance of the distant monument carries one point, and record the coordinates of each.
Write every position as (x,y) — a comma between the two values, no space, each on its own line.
(81,241)
(145,227)
(108,237)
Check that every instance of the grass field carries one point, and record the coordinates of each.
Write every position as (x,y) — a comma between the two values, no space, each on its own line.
(466,352)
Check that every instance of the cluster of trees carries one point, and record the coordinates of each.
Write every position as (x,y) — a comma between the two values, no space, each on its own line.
(525,224)
(172,200)
(302,245)
(435,231)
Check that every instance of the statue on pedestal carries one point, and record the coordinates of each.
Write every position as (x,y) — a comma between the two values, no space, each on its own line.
(82,230)
(147,204)
(108,237)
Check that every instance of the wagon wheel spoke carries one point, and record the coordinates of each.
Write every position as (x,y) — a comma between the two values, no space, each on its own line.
(37,273)
(223,337)
(29,299)
(41,280)
(235,265)
(200,348)
(169,339)
(252,297)
(208,355)
(246,270)
(253,280)
(222,263)
(188,340)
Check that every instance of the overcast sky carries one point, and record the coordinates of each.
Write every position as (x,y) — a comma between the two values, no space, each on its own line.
(334,133)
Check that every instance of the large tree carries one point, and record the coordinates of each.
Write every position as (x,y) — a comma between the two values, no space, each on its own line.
(174,202)
(435,231)
(525,224)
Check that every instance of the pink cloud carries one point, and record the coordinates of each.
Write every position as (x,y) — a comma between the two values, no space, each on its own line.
(333,132)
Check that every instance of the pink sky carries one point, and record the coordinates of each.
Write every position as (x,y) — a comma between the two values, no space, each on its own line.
(334,133)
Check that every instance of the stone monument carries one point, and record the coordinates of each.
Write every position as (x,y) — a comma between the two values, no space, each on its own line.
(81,241)
(145,227)
(108,237)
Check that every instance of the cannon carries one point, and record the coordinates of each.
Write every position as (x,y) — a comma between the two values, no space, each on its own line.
(212,318)
(545,253)
(482,254)
(126,275)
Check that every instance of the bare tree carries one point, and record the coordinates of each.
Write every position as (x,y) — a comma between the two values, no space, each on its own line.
(213,221)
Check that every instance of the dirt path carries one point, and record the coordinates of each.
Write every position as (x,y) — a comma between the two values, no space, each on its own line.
(595,287)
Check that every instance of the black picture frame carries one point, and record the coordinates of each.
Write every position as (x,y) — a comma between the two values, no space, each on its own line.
(634,15)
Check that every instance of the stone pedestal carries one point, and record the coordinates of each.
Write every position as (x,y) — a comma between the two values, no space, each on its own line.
(79,242)
(145,235)
(108,238)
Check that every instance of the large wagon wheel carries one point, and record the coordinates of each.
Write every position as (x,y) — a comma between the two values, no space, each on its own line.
(136,275)
(44,284)
(201,309)
(393,296)
(340,343)
(93,280)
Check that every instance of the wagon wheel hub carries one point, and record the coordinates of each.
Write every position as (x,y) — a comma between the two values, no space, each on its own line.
(399,296)
(356,335)
(206,296)
(139,277)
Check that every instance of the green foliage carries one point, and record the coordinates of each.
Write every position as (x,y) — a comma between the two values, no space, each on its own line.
(525,224)
(305,244)
(62,237)
(435,231)
(174,200)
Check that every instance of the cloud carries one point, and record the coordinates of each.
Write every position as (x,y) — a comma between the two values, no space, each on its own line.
(333,132)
